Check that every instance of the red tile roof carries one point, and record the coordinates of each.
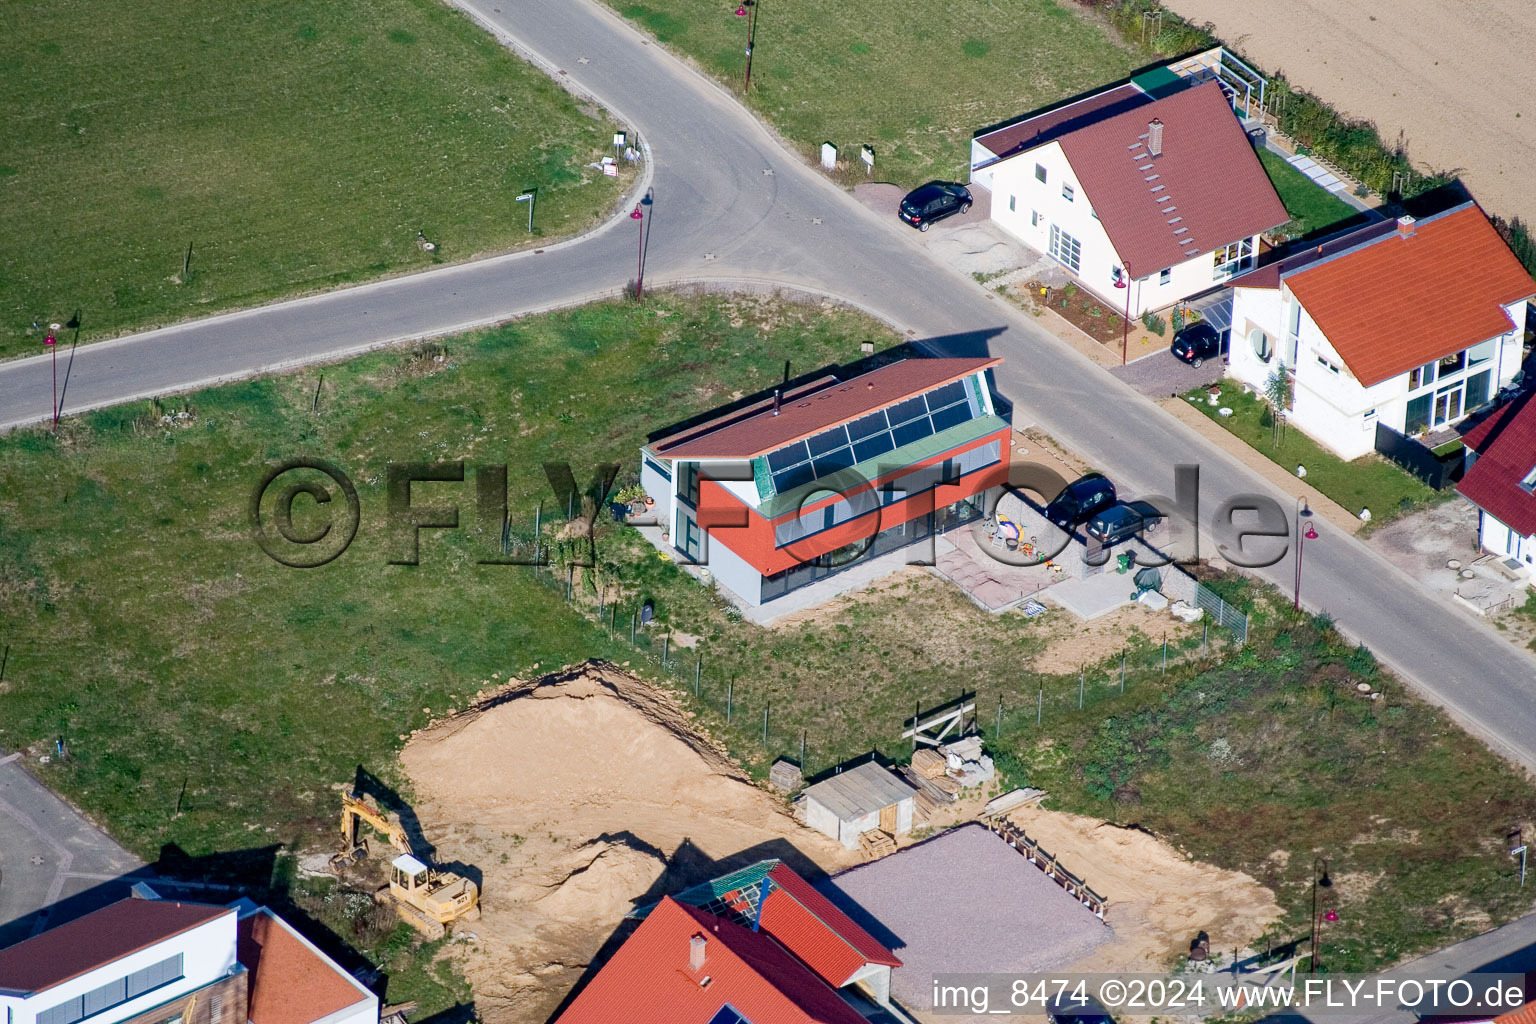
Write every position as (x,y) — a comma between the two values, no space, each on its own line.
(289,982)
(97,939)
(1032,131)
(824,938)
(1402,302)
(1525,1015)
(1206,190)
(1506,447)
(812,409)
(648,980)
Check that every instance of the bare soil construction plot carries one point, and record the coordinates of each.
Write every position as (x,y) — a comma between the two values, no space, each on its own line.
(1449,76)
(1159,899)
(579,795)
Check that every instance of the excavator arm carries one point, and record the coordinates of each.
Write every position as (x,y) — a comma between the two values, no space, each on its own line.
(355,809)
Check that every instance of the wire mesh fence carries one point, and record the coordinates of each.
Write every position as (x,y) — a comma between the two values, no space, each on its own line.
(738,708)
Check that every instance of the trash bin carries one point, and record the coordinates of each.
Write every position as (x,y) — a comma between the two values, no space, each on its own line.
(1124,562)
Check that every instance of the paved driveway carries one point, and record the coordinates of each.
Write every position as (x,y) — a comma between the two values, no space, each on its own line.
(1160,375)
(50,854)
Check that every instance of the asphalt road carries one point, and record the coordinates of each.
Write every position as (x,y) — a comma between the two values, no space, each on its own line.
(730,204)
(49,854)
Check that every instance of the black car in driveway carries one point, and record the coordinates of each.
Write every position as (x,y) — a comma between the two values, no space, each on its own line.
(1081,500)
(1197,343)
(934,201)
(1127,519)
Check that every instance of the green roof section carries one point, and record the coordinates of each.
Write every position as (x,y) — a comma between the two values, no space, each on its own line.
(715,889)
(1158,82)
(907,455)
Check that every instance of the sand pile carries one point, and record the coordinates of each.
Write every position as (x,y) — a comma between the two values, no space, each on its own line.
(1158,898)
(580,795)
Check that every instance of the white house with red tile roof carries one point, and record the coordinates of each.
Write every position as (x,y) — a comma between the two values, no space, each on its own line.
(1500,479)
(1147,195)
(1412,324)
(796,487)
(146,960)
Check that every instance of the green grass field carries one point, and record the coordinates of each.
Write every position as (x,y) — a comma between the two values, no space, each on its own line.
(210,697)
(912,80)
(295,145)
(1367,482)
(1314,211)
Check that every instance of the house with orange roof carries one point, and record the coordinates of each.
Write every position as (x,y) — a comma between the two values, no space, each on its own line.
(1407,326)
(1149,192)
(1500,479)
(755,946)
(796,486)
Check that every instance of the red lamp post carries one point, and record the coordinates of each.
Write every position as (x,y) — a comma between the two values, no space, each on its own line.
(1319,883)
(53,347)
(1302,536)
(748,9)
(1125,335)
(639,219)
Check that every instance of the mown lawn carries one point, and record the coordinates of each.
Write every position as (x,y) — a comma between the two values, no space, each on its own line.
(1367,482)
(210,697)
(913,80)
(294,145)
(1314,211)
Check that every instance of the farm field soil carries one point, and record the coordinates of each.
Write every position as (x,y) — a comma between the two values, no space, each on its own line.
(1439,73)
(581,795)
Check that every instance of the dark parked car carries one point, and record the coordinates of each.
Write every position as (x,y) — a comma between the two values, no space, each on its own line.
(1197,343)
(1081,500)
(934,201)
(1071,1009)
(1126,519)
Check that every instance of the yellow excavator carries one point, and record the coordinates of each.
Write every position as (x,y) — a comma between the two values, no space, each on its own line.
(425,898)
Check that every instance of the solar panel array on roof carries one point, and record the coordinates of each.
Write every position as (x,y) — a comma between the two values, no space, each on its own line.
(871,436)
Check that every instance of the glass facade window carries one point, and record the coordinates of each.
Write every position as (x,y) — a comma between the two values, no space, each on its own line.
(1065,249)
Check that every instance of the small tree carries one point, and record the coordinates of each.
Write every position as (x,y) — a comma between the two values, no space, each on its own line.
(1277,392)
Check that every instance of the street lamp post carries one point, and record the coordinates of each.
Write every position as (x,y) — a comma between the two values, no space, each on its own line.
(748,9)
(639,219)
(53,347)
(1323,882)
(1302,536)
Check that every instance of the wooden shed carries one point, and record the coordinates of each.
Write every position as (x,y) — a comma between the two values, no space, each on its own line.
(862,799)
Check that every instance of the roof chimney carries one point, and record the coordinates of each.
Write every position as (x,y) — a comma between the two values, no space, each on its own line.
(1405,226)
(1155,137)
(776,400)
(696,953)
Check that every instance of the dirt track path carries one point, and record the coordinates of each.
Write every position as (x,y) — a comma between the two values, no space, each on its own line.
(1452,75)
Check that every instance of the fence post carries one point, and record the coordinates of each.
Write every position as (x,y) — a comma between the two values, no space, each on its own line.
(917,713)
(1122,670)
(632,618)
(1080,671)
(600,592)
(570,580)
(730,688)
(666,642)
(997,734)
(1205,638)
(1040,705)
(1165,652)
(802,751)
(765,728)
(698,667)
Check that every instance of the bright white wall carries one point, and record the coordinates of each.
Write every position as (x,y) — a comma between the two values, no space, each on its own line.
(208,954)
(1017,193)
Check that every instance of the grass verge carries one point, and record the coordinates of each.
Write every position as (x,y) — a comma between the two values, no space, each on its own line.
(1367,482)
(913,81)
(292,146)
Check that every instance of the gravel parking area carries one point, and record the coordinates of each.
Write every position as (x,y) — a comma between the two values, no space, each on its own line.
(964,902)
(1160,375)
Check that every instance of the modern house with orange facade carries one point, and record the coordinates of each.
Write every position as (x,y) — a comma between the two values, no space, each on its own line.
(800,485)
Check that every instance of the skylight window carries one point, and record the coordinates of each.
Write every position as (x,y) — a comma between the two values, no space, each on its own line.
(1529,483)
